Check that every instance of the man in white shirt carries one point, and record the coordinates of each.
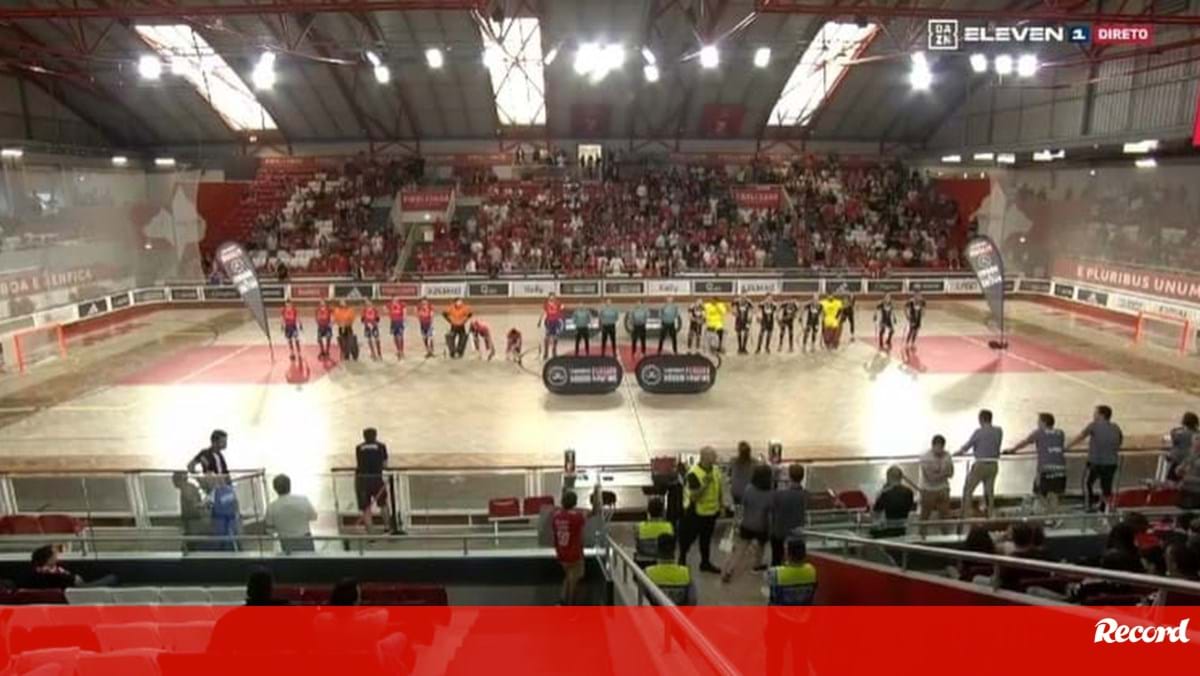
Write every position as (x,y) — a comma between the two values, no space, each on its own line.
(289,516)
(937,467)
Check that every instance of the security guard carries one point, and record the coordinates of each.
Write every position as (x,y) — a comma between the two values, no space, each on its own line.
(714,320)
(673,579)
(649,531)
(702,498)
(795,582)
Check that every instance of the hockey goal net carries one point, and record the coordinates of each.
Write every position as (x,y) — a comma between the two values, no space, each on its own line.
(1167,331)
(34,346)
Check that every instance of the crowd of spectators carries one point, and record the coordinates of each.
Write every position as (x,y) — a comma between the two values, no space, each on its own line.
(328,224)
(655,221)
(876,216)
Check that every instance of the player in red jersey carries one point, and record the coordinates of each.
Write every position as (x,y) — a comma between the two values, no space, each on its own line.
(396,311)
(552,319)
(425,318)
(324,329)
(512,349)
(370,320)
(291,329)
(481,331)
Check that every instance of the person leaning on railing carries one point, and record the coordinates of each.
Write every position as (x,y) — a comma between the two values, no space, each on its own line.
(673,579)
(648,532)
(795,582)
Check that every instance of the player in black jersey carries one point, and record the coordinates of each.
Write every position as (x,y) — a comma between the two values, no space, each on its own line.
(743,314)
(914,311)
(885,321)
(695,337)
(847,313)
(812,321)
(788,310)
(766,323)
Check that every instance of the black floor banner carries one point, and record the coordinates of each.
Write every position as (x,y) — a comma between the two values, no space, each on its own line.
(571,374)
(676,374)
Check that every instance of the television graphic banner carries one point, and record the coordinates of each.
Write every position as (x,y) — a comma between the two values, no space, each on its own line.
(238,267)
(985,260)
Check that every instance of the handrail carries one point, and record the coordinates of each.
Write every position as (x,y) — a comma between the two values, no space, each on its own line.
(1060,517)
(710,653)
(1070,569)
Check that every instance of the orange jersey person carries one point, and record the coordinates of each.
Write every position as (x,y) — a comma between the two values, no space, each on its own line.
(458,313)
(344,317)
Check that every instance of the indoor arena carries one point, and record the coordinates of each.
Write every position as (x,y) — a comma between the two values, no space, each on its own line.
(441,306)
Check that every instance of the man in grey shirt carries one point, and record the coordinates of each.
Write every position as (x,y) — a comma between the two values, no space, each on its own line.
(788,511)
(608,326)
(985,443)
(289,516)
(670,326)
(937,468)
(638,317)
(1104,451)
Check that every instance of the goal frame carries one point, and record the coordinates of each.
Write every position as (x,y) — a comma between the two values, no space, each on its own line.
(1185,325)
(19,352)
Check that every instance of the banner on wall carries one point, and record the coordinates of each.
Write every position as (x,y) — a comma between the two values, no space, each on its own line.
(843,285)
(1064,291)
(487,289)
(444,289)
(1160,283)
(579,288)
(92,307)
(667,287)
(712,287)
(757,196)
(430,199)
(310,291)
(759,287)
(240,270)
(399,290)
(534,288)
(885,286)
(927,285)
(985,260)
(801,286)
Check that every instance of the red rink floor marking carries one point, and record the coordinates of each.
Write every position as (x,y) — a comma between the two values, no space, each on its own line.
(971,354)
(233,365)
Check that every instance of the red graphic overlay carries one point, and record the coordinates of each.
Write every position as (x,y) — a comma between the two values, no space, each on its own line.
(179,640)
(1123,34)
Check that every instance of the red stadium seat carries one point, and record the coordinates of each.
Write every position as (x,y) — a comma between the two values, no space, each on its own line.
(20,524)
(60,523)
(1132,497)
(532,506)
(504,508)
(293,594)
(38,596)
(315,596)
(1163,497)
(854,499)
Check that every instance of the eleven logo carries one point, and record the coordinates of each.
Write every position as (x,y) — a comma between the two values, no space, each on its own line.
(1109,630)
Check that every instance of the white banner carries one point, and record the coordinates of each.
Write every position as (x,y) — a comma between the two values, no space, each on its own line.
(962,285)
(444,289)
(759,287)
(1126,303)
(668,287)
(534,288)
(59,315)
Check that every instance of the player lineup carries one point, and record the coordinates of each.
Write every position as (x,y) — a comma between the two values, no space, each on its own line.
(821,322)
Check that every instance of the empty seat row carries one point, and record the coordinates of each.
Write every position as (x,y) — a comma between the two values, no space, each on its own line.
(40,524)
(226,596)
(511,508)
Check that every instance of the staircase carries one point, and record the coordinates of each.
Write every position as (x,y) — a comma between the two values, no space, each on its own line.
(267,193)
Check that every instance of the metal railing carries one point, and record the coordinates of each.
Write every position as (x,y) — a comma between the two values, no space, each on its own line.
(621,567)
(843,542)
(1083,522)
(98,545)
